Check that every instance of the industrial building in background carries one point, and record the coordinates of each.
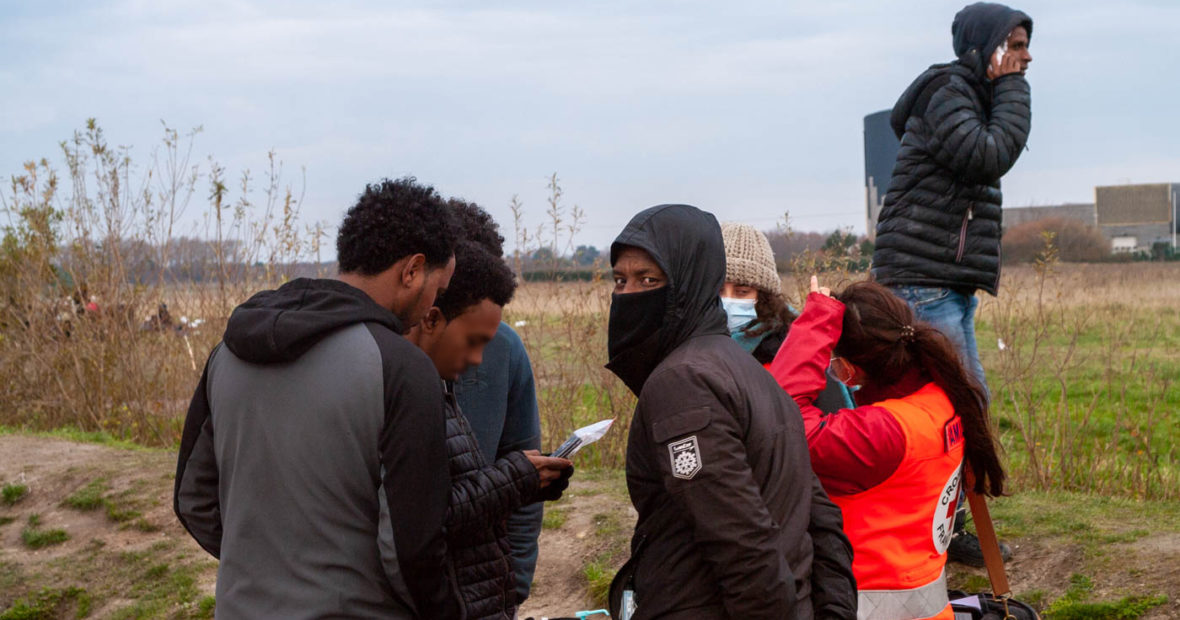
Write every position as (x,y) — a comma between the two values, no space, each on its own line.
(1081,212)
(881,148)
(1135,218)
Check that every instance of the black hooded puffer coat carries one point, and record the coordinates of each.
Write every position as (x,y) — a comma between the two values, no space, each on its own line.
(960,132)
(482,497)
(732,521)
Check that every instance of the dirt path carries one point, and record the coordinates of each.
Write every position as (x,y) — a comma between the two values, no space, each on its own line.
(125,550)
(127,557)
(588,529)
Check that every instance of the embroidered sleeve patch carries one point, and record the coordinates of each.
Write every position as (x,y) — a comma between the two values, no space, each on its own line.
(952,433)
(686,458)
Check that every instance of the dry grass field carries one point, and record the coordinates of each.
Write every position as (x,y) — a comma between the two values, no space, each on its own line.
(1082,363)
(1084,397)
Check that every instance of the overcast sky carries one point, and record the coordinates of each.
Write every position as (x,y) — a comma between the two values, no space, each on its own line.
(746,109)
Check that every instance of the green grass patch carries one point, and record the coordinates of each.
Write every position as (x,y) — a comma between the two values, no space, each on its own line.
(158,588)
(143,525)
(13,493)
(607,524)
(971,583)
(156,571)
(1037,598)
(1081,392)
(72,433)
(49,603)
(206,606)
(158,585)
(553,519)
(1091,520)
(120,508)
(152,581)
(11,576)
(36,538)
(121,514)
(88,497)
(6,520)
(1075,605)
(598,573)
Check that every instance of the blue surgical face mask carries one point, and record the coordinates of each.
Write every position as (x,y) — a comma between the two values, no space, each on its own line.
(741,313)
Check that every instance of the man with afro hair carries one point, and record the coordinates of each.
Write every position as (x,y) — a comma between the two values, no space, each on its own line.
(313,461)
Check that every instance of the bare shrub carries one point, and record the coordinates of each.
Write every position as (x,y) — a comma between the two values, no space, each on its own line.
(836,269)
(563,326)
(1080,387)
(106,312)
(1075,242)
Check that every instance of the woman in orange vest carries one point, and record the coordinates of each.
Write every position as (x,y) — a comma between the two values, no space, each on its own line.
(893,464)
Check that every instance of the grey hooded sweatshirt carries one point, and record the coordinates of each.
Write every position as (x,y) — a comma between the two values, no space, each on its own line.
(313,462)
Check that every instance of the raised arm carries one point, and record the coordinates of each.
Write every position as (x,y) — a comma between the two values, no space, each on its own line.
(852,449)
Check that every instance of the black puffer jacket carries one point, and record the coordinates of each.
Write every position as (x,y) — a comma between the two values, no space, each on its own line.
(960,132)
(482,497)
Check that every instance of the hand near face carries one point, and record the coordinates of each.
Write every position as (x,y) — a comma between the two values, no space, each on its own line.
(1004,65)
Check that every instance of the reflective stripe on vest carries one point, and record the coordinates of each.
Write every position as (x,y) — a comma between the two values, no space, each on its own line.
(925,601)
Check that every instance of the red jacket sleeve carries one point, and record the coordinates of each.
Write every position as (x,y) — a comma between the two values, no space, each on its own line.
(852,450)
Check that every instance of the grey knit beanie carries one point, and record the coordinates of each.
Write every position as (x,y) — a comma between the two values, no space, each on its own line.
(749,261)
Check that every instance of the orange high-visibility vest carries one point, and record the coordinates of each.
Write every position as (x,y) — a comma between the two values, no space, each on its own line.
(900,529)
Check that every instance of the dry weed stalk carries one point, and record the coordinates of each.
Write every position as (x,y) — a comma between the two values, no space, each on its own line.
(1079,387)
(106,312)
(563,326)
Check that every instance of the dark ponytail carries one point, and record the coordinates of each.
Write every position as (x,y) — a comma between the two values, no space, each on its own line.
(882,337)
(774,315)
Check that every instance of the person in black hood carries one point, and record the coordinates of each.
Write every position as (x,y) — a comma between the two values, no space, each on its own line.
(717,463)
(313,461)
(962,125)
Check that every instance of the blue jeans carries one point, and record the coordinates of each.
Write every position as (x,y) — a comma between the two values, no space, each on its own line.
(953,314)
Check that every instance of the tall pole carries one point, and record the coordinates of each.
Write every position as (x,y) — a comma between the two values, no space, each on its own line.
(1174,191)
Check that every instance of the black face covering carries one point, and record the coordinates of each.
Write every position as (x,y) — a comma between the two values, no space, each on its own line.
(633,334)
(646,327)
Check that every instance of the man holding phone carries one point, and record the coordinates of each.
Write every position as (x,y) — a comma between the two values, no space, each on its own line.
(962,125)
(485,492)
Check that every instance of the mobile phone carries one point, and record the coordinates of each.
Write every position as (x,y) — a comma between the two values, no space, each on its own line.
(998,57)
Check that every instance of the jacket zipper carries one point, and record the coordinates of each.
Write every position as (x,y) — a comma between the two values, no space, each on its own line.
(963,233)
(999,266)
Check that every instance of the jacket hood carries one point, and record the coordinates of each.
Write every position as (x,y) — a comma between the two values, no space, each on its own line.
(686,243)
(980,28)
(907,105)
(283,324)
